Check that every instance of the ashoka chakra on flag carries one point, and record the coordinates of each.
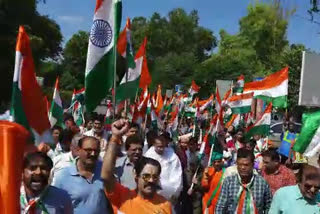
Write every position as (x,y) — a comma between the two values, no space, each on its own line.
(101,33)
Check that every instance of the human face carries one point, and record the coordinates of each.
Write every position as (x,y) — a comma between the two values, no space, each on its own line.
(97,125)
(310,184)
(193,147)
(89,125)
(89,152)
(239,136)
(55,135)
(249,146)
(159,146)
(183,145)
(217,164)
(256,137)
(134,152)
(291,127)
(35,176)
(148,180)
(245,167)
(69,123)
(270,165)
(132,131)
(230,129)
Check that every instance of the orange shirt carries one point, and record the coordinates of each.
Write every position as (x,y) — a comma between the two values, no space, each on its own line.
(128,202)
(210,185)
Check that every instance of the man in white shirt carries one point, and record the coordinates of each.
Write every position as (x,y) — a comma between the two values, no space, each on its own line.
(171,170)
(99,132)
(66,159)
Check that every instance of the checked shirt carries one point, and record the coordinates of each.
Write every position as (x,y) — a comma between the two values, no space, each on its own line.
(227,202)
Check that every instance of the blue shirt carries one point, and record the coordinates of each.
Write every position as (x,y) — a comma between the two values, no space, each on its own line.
(55,201)
(289,200)
(87,196)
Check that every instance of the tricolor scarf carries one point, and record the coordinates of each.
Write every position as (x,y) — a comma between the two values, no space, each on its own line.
(33,204)
(245,198)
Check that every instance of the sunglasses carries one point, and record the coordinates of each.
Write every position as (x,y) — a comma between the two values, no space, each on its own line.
(89,151)
(147,177)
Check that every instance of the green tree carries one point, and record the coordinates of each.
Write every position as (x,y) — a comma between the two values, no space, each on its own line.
(74,61)
(176,45)
(44,34)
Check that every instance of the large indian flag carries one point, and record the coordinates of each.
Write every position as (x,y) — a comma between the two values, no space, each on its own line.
(241,104)
(272,88)
(56,110)
(262,125)
(101,58)
(28,106)
(308,141)
(137,77)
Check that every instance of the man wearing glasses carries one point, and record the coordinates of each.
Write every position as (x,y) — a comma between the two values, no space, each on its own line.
(82,180)
(144,198)
(300,198)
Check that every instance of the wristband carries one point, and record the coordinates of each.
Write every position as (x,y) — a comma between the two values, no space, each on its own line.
(116,140)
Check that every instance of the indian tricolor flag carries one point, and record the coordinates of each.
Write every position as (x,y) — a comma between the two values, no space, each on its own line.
(56,110)
(272,88)
(238,88)
(240,104)
(101,57)
(124,45)
(194,88)
(204,104)
(262,125)
(28,106)
(138,77)
(308,141)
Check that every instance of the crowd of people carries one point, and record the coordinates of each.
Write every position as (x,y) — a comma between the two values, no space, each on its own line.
(128,168)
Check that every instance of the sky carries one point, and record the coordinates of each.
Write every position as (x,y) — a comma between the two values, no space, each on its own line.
(75,15)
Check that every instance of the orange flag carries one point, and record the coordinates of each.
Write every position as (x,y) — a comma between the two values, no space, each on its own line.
(13,138)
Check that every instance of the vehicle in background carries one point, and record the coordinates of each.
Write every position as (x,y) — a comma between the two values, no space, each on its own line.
(277,129)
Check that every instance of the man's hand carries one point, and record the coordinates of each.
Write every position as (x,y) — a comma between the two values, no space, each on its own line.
(119,128)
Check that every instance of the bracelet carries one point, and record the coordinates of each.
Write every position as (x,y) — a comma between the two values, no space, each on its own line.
(116,140)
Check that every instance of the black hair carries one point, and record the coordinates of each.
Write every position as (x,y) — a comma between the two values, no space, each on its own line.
(272,154)
(314,174)
(133,139)
(151,135)
(193,140)
(134,125)
(98,117)
(139,166)
(161,138)
(245,153)
(66,136)
(68,117)
(85,138)
(33,155)
(56,127)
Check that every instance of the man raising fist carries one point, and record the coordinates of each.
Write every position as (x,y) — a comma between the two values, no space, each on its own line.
(142,199)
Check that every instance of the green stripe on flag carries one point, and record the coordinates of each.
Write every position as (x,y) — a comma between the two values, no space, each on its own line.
(280,102)
(16,110)
(311,122)
(99,81)
(261,130)
(57,112)
(127,90)
(241,110)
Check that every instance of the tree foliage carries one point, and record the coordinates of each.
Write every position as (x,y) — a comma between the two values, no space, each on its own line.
(44,34)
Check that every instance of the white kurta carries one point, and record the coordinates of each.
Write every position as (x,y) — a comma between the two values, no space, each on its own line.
(171,172)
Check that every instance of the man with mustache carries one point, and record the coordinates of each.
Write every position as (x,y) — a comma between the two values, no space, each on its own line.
(36,195)
(144,198)
(82,180)
(125,165)
(244,192)
(300,198)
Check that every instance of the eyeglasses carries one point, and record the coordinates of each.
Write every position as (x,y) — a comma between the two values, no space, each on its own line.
(308,186)
(147,177)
